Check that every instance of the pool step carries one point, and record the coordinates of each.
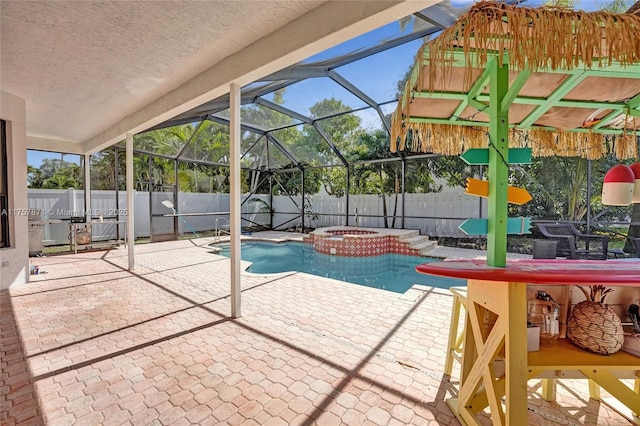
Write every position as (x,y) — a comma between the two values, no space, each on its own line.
(425,247)
(420,243)
(414,239)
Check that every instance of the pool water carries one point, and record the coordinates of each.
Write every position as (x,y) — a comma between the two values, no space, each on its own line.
(391,272)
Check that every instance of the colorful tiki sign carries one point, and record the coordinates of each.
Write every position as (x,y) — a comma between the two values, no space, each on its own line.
(481,189)
(480,156)
(515,225)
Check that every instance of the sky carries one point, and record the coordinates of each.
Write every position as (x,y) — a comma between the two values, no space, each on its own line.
(376,75)
(34,158)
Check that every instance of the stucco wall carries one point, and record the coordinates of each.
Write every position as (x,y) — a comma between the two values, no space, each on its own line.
(14,260)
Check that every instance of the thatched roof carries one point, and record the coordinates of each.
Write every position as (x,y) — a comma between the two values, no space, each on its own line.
(575,77)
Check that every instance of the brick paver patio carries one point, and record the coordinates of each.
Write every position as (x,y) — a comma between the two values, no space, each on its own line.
(91,343)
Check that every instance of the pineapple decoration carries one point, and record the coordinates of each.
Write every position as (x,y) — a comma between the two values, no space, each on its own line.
(593,325)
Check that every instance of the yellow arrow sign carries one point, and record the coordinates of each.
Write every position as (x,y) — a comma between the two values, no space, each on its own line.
(481,188)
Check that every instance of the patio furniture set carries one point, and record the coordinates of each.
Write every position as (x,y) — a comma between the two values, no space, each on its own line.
(569,242)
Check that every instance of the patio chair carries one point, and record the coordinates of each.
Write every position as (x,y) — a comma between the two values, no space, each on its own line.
(630,249)
(634,244)
(573,244)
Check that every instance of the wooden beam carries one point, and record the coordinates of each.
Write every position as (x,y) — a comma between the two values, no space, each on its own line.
(498,167)
(568,85)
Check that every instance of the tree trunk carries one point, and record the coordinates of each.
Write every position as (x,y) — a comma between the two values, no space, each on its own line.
(384,209)
(575,211)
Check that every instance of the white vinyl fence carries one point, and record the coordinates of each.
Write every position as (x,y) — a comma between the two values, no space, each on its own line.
(434,214)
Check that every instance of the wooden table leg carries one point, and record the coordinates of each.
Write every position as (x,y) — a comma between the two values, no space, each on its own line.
(496,325)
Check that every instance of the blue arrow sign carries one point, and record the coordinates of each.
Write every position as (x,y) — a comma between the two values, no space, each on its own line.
(515,225)
(480,156)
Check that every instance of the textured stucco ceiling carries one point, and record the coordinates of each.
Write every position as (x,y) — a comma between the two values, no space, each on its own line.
(81,66)
(91,71)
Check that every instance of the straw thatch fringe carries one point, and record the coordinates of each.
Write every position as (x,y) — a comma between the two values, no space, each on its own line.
(537,38)
(443,139)
(587,145)
(626,145)
(447,139)
(398,131)
(567,144)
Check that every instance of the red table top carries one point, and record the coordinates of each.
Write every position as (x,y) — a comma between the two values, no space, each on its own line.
(567,272)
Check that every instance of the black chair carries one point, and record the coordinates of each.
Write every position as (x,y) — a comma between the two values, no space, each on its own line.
(637,241)
(573,244)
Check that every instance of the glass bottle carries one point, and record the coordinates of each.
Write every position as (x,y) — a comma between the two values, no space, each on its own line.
(544,312)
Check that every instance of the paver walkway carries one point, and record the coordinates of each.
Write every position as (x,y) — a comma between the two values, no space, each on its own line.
(90,343)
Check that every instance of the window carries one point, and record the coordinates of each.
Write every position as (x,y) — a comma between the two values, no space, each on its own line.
(4,188)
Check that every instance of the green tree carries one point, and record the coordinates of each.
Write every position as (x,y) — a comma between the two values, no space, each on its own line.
(194,143)
(55,174)
(558,186)
(64,178)
(103,170)
(34,177)
(385,178)
(265,155)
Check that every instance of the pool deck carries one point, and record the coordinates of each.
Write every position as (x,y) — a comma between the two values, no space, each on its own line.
(91,343)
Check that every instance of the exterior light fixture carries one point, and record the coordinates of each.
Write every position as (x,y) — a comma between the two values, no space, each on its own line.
(618,186)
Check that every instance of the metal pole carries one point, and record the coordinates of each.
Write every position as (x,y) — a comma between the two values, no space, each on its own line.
(404,175)
(176,225)
(346,193)
(130,200)
(236,187)
(150,170)
(302,208)
(270,200)
(480,198)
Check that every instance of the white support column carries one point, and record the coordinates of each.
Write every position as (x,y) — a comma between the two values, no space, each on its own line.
(234,178)
(130,200)
(87,187)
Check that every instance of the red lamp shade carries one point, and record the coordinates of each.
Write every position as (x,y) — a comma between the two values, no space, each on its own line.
(618,186)
(636,186)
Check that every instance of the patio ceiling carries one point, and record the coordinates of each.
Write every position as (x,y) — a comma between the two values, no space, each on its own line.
(92,71)
(356,78)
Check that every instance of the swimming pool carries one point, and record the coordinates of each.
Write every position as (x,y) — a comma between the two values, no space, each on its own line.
(388,272)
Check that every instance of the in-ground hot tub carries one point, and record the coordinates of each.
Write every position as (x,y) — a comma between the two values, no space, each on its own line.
(362,242)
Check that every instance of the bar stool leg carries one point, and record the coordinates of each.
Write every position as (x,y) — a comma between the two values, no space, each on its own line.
(454,344)
(549,389)
(594,390)
(636,389)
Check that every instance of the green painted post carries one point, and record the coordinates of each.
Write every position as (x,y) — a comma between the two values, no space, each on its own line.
(498,165)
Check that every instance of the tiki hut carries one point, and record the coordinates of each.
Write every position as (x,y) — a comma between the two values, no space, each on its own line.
(557,81)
